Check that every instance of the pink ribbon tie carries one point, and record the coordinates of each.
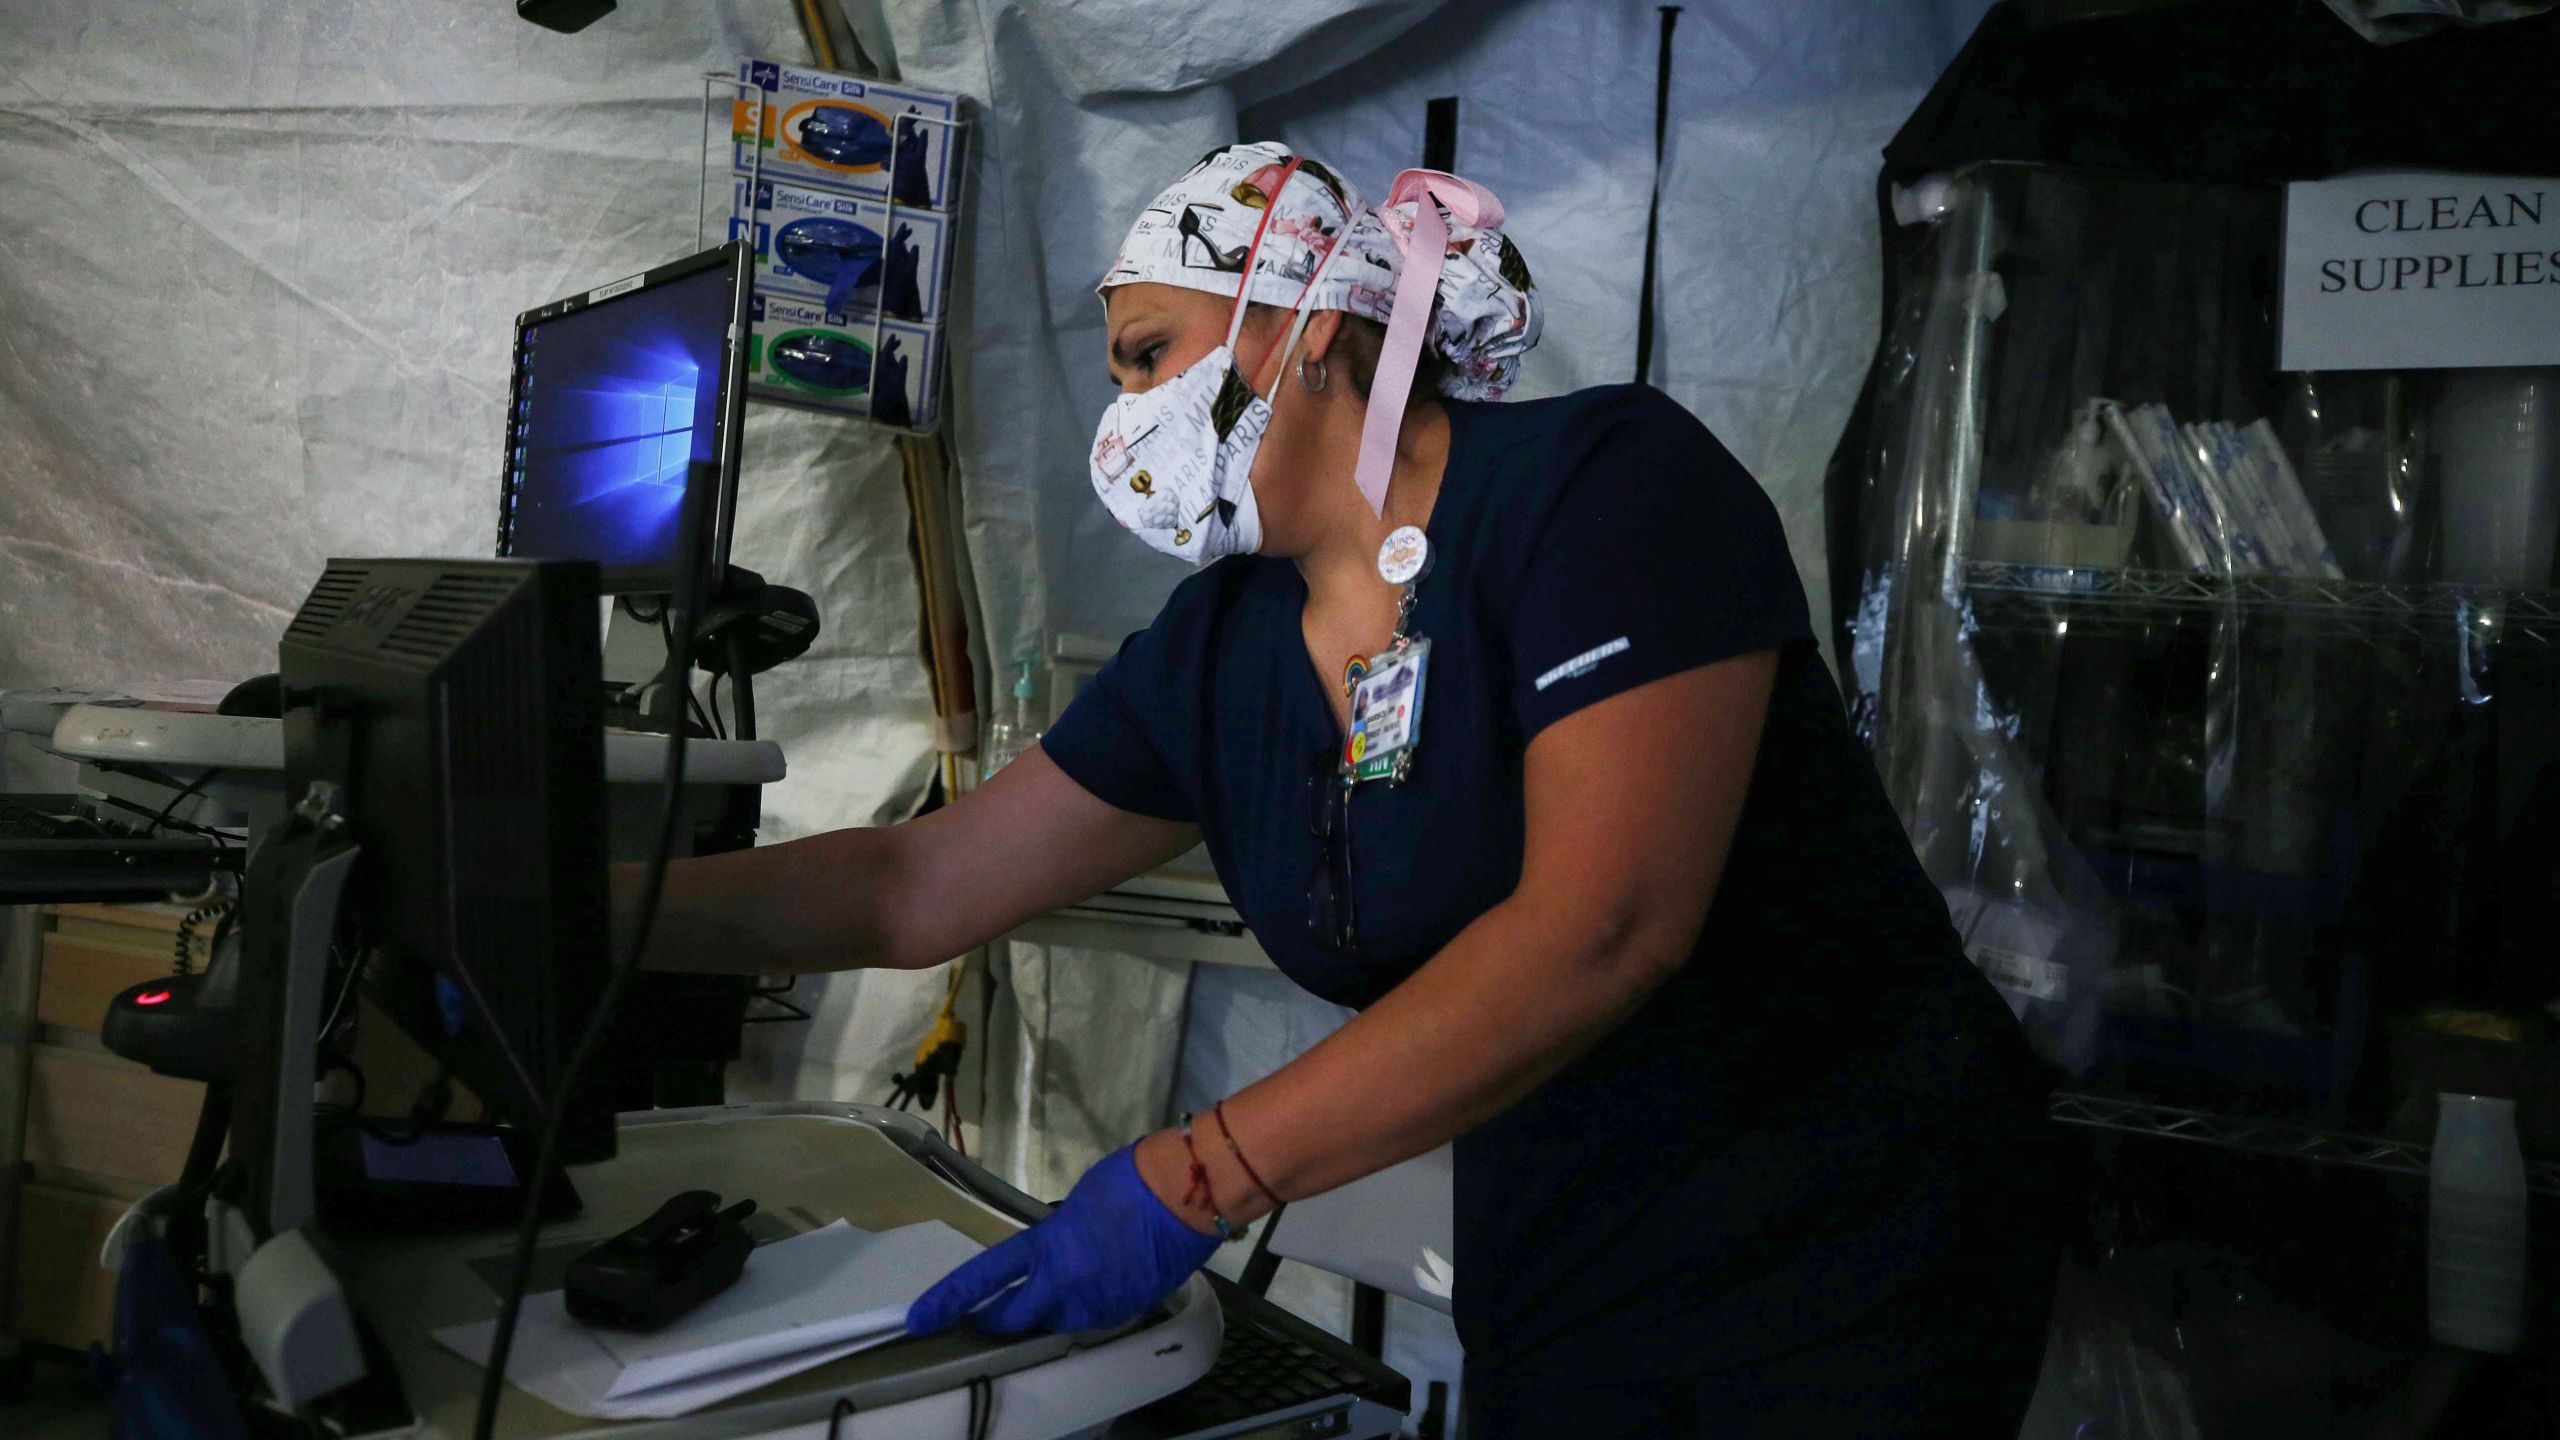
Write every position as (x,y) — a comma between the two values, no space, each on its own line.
(1426,251)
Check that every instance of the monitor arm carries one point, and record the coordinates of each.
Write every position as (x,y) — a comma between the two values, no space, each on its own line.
(249,1026)
(748,626)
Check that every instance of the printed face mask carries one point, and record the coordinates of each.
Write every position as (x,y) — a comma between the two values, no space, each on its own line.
(1174,463)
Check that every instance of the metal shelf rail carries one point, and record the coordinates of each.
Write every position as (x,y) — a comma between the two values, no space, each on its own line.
(2264,1137)
(2057,597)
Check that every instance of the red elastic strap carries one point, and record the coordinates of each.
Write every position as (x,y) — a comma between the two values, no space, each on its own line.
(1220,1110)
(1244,283)
(1199,1194)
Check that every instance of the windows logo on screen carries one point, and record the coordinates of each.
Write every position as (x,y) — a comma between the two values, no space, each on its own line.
(661,457)
(615,430)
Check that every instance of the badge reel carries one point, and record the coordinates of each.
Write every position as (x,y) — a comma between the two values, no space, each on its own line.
(1386,689)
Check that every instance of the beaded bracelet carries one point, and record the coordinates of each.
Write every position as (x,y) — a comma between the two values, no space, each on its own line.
(1200,1194)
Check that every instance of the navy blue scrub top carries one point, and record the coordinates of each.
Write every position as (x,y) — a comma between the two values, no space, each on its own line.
(1796,1122)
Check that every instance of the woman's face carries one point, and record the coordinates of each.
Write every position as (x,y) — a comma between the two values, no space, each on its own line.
(1156,332)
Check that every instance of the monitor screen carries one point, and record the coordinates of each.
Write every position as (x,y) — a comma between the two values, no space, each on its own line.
(452,711)
(438,1158)
(615,403)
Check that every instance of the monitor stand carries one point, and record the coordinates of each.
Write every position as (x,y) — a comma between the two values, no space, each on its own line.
(294,1317)
(743,627)
(677,1033)
(635,655)
(289,923)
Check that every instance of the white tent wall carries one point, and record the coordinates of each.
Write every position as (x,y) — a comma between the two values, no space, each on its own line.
(1767,318)
(259,263)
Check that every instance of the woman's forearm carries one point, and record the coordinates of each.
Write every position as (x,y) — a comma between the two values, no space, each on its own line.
(1628,834)
(820,903)
(900,896)
(1508,1003)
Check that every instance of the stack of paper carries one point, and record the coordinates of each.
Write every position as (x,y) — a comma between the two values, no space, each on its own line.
(801,1303)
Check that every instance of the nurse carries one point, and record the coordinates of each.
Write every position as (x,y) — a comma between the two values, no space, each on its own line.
(1505,726)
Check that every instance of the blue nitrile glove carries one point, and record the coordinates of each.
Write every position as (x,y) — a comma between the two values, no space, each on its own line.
(1105,1256)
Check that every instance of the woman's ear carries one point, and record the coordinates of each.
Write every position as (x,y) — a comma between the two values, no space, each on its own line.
(1323,327)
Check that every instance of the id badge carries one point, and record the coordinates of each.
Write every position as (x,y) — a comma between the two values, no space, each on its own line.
(1386,714)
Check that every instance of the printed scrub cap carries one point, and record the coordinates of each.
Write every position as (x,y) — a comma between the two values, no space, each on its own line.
(1198,233)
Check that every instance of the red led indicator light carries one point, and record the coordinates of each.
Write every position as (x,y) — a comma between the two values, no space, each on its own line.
(151,997)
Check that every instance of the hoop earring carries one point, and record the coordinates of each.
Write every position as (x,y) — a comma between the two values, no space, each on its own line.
(1315,386)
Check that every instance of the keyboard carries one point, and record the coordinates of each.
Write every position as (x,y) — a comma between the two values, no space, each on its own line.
(48,817)
(1270,1363)
(54,849)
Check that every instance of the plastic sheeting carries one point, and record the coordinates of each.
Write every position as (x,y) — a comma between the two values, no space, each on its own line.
(2216,699)
(2387,22)
(261,266)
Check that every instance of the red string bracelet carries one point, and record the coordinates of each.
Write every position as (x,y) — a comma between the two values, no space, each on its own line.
(1200,1195)
(1220,1110)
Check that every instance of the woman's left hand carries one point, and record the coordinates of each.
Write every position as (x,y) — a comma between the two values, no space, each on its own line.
(1104,1257)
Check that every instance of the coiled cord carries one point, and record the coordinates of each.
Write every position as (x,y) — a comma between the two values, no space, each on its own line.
(219,908)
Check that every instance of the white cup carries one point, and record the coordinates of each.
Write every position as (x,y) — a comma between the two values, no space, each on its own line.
(2497,444)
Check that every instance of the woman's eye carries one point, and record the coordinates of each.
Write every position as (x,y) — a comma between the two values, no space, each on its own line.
(1140,362)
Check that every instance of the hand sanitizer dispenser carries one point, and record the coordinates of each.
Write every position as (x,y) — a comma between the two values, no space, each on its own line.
(1010,735)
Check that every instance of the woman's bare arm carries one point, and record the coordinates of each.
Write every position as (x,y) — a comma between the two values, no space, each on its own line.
(903,896)
(1632,806)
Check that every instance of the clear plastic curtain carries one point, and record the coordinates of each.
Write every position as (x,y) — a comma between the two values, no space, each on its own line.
(2210,694)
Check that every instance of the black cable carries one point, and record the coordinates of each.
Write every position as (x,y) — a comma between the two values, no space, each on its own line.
(773,995)
(717,728)
(742,689)
(682,668)
(841,1411)
(221,840)
(193,787)
(187,1231)
(1653,212)
(982,1407)
(346,988)
(547,1153)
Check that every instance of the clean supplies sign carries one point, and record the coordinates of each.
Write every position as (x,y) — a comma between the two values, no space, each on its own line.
(2421,271)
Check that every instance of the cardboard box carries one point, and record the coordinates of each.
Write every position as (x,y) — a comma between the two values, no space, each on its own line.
(838,131)
(807,239)
(801,353)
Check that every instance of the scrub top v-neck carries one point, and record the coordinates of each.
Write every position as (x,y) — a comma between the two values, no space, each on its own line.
(1748,1161)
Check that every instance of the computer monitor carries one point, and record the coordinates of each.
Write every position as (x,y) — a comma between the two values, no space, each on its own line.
(624,397)
(453,707)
